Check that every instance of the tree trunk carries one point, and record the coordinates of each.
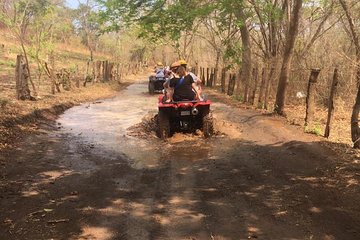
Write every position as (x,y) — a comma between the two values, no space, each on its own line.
(331,107)
(207,77)
(28,67)
(54,83)
(231,86)
(255,77)
(203,77)
(223,74)
(217,62)
(21,76)
(355,131)
(310,98)
(246,56)
(262,89)
(289,46)
(268,88)
(212,76)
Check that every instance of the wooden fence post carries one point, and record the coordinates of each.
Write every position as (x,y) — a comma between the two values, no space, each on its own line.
(118,78)
(331,107)
(223,74)
(310,98)
(203,76)
(207,77)
(51,72)
(109,71)
(97,71)
(21,76)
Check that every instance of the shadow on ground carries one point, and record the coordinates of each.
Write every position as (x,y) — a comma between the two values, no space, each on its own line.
(62,188)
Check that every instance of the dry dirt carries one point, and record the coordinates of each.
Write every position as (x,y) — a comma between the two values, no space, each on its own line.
(100,172)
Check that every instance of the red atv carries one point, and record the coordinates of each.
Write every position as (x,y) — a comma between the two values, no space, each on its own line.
(184,116)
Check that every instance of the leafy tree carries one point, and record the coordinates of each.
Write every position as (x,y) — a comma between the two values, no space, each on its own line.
(87,24)
(18,15)
(354,34)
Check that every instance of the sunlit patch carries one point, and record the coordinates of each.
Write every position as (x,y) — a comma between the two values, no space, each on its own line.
(203,169)
(250,194)
(139,210)
(126,190)
(30,193)
(352,182)
(217,203)
(328,237)
(88,210)
(163,220)
(307,179)
(280,214)
(208,189)
(111,211)
(70,198)
(183,212)
(96,233)
(119,201)
(55,174)
(176,200)
(260,188)
(315,210)
(251,229)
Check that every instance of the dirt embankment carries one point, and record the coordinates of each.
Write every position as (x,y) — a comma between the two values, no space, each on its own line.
(20,118)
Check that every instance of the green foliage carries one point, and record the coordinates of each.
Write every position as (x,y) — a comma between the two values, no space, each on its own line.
(4,102)
(8,63)
(238,98)
(314,129)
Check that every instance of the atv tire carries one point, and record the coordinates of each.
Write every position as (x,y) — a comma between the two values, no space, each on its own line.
(163,125)
(151,87)
(208,125)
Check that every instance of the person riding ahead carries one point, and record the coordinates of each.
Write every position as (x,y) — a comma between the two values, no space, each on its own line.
(159,70)
(184,86)
(169,91)
(196,79)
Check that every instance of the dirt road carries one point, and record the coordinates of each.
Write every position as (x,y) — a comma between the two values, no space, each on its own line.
(92,176)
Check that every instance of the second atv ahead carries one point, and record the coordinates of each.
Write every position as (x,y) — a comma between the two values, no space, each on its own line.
(184,116)
(156,84)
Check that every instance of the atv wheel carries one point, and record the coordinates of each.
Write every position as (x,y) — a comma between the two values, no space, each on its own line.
(208,125)
(151,87)
(164,125)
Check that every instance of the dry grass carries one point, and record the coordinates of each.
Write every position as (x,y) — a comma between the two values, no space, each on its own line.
(18,118)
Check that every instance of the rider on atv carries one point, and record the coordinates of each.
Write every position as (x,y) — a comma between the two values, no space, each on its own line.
(159,70)
(197,80)
(183,85)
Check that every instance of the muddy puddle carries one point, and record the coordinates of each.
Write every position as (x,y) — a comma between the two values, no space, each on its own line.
(125,124)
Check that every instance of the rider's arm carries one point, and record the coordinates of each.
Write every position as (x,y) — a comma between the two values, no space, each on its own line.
(166,83)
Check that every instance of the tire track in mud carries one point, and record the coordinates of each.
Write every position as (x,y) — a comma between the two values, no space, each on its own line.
(257,178)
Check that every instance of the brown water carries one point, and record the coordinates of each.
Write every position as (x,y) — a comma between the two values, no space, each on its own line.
(104,125)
